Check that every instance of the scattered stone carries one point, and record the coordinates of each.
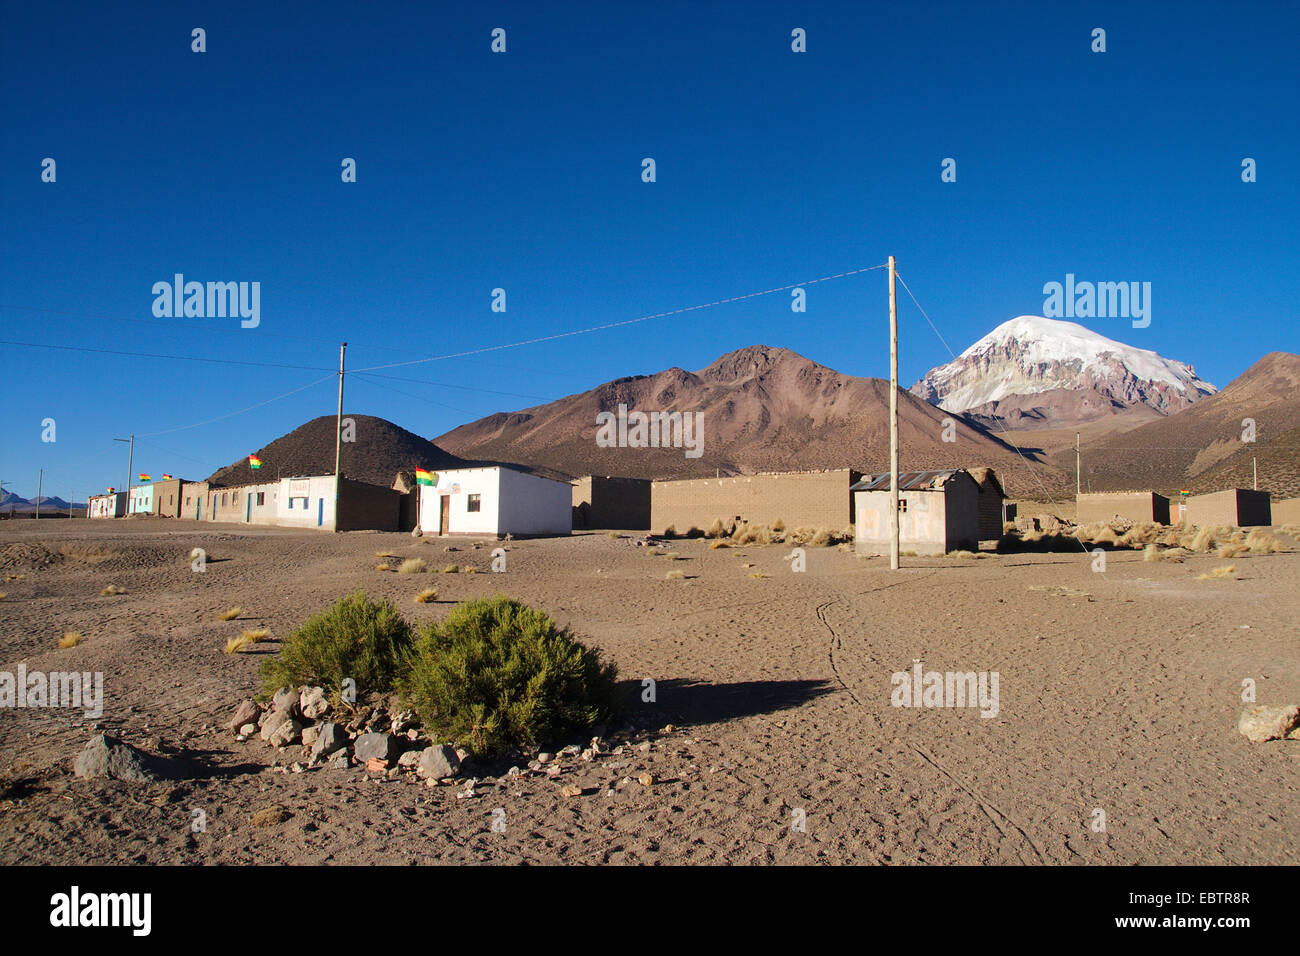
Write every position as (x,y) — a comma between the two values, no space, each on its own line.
(571,790)
(571,751)
(403,722)
(330,738)
(1260,724)
(554,770)
(410,759)
(312,703)
(416,532)
(359,720)
(339,760)
(644,747)
(647,779)
(106,756)
(247,731)
(274,718)
(514,772)
(543,758)
(270,816)
(438,762)
(285,699)
(383,746)
(376,765)
(285,733)
(309,735)
(246,713)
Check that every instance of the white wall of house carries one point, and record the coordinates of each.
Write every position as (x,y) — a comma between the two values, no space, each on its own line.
(459,486)
(533,505)
(930,522)
(305,502)
(265,512)
(107,506)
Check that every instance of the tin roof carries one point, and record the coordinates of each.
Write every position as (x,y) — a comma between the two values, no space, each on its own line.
(907,480)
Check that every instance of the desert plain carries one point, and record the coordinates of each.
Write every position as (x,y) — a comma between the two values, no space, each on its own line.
(1119,694)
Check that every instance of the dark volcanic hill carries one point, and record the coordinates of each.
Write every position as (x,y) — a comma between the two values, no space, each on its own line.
(380,451)
(1201,447)
(764,409)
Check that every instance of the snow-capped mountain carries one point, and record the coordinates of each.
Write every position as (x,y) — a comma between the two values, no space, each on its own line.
(1037,371)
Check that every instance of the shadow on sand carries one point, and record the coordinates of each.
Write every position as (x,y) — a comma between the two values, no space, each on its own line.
(700,702)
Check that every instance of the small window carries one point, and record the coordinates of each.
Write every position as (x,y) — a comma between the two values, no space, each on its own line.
(261,497)
(187,501)
(234,497)
(474,503)
(902,504)
(223,497)
(171,499)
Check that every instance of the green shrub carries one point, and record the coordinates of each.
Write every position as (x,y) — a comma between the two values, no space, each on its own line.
(498,675)
(357,638)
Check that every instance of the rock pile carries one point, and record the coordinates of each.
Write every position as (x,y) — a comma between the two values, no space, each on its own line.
(367,737)
(1261,724)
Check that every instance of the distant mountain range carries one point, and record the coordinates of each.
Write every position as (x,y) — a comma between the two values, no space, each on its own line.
(1036,372)
(763,409)
(9,500)
(1012,401)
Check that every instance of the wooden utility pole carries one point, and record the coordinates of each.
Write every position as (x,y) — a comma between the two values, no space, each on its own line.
(1254,467)
(338,437)
(40,481)
(893,417)
(1078,481)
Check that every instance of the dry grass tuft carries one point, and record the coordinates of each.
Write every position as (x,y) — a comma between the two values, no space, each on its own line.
(758,574)
(1260,541)
(1227,571)
(451,569)
(970,555)
(1201,541)
(413,566)
(716,530)
(778,526)
(1231,550)
(469,570)
(71,639)
(384,554)
(719,543)
(237,645)
(231,614)
(820,539)
(674,576)
(427,596)
(1152,553)
(613,536)
(110,590)
(670,531)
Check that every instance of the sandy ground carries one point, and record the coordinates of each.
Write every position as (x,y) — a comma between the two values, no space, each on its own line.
(1123,700)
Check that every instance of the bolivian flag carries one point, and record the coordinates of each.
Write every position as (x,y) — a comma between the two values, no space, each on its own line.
(254,462)
(145,478)
(167,477)
(110,491)
(423,477)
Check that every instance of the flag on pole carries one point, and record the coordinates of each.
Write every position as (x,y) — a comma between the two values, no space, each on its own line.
(254,462)
(423,477)
(166,477)
(110,491)
(144,477)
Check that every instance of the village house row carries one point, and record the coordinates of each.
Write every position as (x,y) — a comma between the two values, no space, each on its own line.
(939,510)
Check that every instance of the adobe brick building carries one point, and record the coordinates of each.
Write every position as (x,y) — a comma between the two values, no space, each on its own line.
(813,499)
(1286,512)
(611,503)
(1128,505)
(938,512)
(1236,507)
(991,504)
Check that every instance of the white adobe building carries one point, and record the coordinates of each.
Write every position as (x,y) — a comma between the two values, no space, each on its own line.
(106,506)
(495,501)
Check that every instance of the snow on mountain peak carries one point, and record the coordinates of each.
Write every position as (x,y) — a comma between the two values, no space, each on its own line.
(1031,354)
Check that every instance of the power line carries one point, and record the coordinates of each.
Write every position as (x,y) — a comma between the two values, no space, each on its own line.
(170,358)
(181,428)
(615,325)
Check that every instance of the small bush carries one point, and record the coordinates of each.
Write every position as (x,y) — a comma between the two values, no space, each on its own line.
(613,536)
(384,554)
(246,640)
(1260,541)
(356,638)
(670,531)
(694,532)
(111,590)
(716,530)
(719,543)
(382,567)
(412,566)
(1227,571)
(427,596)
(778,526)
(1151,553)
(1231,550)
(674,576)
(1202,540)
(71,639)
(451,569)
(230,614)
(497,675)
(820,539)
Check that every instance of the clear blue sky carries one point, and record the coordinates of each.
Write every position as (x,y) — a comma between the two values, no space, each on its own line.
(522,170)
